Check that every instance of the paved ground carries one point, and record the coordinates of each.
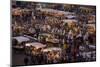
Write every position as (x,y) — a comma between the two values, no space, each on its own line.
(18,59)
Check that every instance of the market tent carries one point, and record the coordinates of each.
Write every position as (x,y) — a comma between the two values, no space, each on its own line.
(21,39)
(91,28)
(86,9)
(45,34)
(69,20)
(54,12)
(19,11)
(91,25)
(32,38)
(52,49)
(36,45)
(16,11)
(91,19)
(52,40)
(70,16)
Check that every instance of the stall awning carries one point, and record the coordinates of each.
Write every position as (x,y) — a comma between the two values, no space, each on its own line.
(36,45)
(52,49)
(21,39)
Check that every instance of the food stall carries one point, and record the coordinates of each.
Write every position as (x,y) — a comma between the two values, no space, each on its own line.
(43,36)
(34,48)
(53,12)
(91,28)
(53,40)
(16,12)
(20,11)
(53,54)
(70,22)
(91,19)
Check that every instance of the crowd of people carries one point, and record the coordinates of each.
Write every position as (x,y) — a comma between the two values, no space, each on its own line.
(70,35)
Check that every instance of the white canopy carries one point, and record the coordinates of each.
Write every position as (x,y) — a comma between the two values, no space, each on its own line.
(21,39)
(70,16)
(52,49)
(54,11)
(30,37)
(69,20)
(36,45)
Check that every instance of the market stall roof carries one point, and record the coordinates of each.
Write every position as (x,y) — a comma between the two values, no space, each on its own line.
(54,11)
(71,16)
(52,49)
(91,21)
(30,37)
(21,39)
(36,45)
(69,20)
(86,8)
(19,11)
(45,34)
(91,25)
(16,11)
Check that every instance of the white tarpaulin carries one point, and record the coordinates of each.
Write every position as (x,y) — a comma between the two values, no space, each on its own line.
(21,39)
(69,20)
(52,49)
(70,16)
(36,45)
